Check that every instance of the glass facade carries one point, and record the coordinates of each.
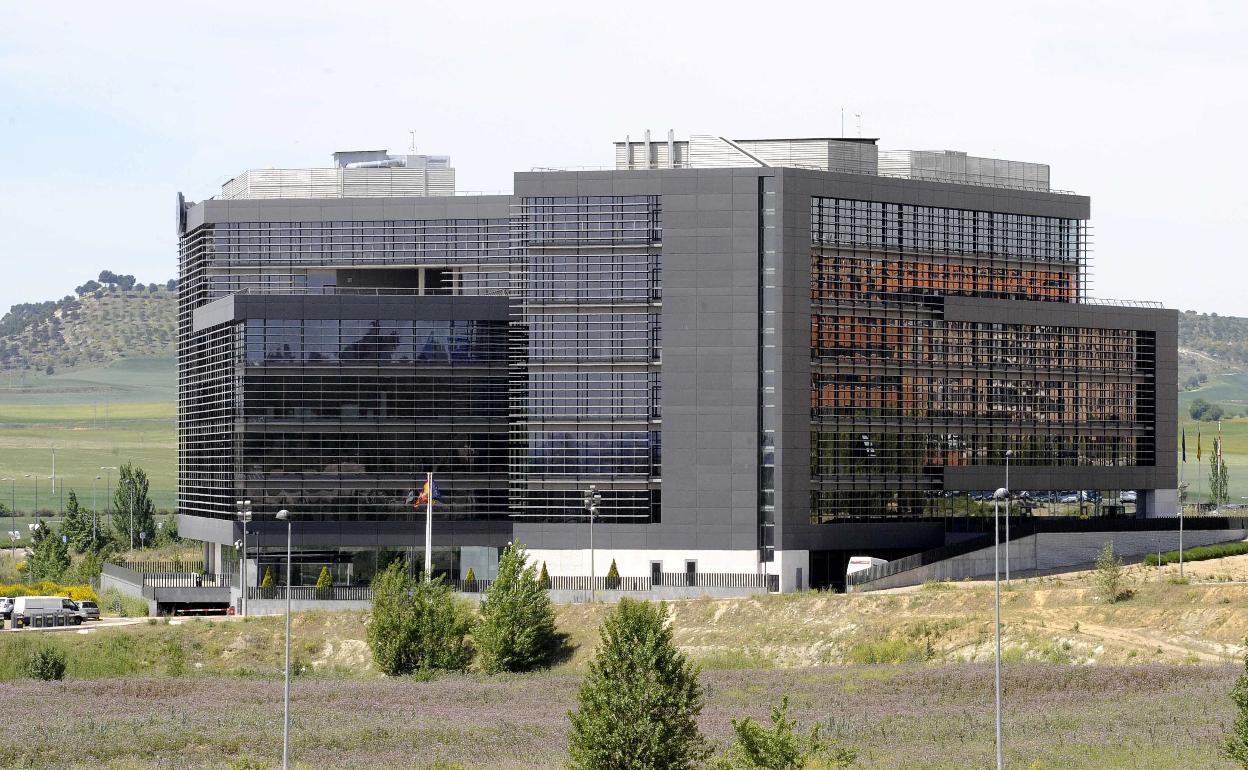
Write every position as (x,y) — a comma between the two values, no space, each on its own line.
(588,390)
(898,393)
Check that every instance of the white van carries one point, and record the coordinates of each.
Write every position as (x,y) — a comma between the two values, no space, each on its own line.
(26,607)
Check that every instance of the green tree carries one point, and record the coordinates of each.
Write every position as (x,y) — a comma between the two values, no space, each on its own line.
(77,525)
(416,624)
(267,583)
(1219,479)
(613,576)
(1235,746)
(545,577)
(323,583)
(780,747)
(640,701)
(49,556)
(133,510)
(517,627)
(1109,575)
(470,580)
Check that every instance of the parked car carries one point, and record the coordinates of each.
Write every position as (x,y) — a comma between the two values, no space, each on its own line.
(1071,498)
(90,610)
(6,607)
(1127,496)
(26,607)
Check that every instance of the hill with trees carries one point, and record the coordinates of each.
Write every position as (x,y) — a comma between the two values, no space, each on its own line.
(107,319)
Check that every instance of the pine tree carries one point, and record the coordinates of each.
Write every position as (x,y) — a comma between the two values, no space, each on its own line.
(77,525)
(544,578)
(416,624)
(517,627)
(267,583)
(613,576)
(49,554)
(640,701)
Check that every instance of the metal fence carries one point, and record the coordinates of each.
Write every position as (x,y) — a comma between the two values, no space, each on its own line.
(157,566)
(312,593)
(186,580)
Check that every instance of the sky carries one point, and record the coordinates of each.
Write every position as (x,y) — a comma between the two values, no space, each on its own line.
(107,110)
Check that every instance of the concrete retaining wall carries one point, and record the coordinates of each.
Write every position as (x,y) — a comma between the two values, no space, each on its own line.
(1052,551)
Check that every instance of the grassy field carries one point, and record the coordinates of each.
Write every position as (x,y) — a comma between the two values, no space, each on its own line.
(1231,391)
(903,676)
(93,418)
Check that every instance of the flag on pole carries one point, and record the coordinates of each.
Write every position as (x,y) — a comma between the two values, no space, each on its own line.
(1219,444)
(428,491)
(1185,445)
(1197,446)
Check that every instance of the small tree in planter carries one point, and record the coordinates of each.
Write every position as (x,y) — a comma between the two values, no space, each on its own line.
(470,580)
(267,585)
(324,585)
(613,576)
(544,578)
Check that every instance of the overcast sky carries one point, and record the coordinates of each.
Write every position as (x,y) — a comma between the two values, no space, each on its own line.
(108,109)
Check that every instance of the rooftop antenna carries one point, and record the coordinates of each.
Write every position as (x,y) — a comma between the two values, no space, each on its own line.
(858,115)
(412,133)
(842,121)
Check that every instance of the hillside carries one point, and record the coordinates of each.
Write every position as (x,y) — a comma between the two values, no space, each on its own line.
(101,325)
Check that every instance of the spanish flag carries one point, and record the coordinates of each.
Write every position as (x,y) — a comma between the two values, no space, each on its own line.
(428,491)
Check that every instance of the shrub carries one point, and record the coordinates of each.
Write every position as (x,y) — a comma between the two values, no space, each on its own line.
(267,583)
(545,577)
(416,625)
(48,588)
(613,576)
(517,627)
(46,663)
(470,580)
(323,584)
(640,700)
(114,602)
(1235,746)
(780,748)
(1109,575)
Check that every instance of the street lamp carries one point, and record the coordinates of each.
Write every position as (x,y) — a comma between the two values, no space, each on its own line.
(997,497)
(284,515)
(108,490)
(593,499)
(13,513)
(244,513)
(35,509)
(95,515)
(1008,454)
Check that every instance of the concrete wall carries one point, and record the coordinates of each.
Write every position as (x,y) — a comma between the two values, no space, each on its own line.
(1053,551)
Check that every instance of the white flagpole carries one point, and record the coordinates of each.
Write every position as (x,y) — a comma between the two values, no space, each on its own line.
(429,527)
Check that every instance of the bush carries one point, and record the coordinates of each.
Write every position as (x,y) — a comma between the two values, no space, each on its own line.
(1109,576)
(323,584)
(46,663)
(470,580)
(416,625)
(1199,553)
(613,576)
(640,701)
(1235,746)
(48,588)
(780,748)
(114,602)
(517,627)
(544,577)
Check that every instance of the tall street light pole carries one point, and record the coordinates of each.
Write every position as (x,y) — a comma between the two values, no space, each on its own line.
(593,499)
(35,509)
(95,514)
(1008,454)
(108,491)
(13,514)
(284,515)
(996,580)
(244,513)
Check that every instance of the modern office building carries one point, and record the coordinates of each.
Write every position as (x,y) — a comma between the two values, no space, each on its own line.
(766,355)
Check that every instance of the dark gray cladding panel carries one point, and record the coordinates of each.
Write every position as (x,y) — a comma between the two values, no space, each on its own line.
(917,192)
(239,307)
(1012,311)
(348,209)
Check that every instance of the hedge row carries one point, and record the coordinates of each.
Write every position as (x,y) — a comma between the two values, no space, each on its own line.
(1199,553)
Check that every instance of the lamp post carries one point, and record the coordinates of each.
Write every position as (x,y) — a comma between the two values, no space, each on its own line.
(996,580)
(593,499)
(284,515)
(108,490)
(1008,454)
(95,515)
(13,513)
(244,514)
(35,509)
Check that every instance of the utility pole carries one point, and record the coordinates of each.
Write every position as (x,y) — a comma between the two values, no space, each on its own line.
(996,580)
(593,499)
(1008,454)
(244,513)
